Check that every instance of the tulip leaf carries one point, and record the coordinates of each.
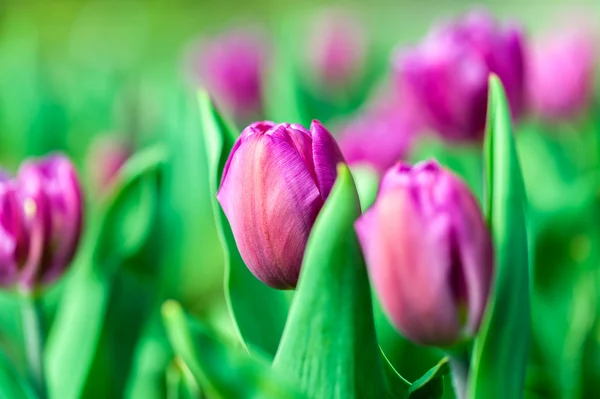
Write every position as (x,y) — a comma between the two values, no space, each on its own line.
(73,340)
(13,385)
(222,371)
(431,385)
(396,384)
(259,311)
(501,349)
(329,344)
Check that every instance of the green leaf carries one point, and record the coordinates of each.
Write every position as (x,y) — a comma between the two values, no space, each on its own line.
(222,371)
(431,385)
(329,344)
(118,232)
(501,349)
(13,385)
(397,385)
(258,310)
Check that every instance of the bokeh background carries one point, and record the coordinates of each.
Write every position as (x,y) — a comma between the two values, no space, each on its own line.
(73,73)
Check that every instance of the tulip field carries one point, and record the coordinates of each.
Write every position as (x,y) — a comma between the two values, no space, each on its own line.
(299,200)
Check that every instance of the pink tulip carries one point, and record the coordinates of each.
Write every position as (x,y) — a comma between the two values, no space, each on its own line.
(51,198)
(561,74)
(274,184)
(429,254)
(337,48)
(380,136)
(231,67)
(13,239)
(446,76)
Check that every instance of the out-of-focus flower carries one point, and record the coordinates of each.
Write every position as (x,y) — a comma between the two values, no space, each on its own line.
(274,184)
(337,46)
(13,240)
(381,136)
(561,74)
(51,199)
(446,75)
(429,254)
(107,155)
(230,67)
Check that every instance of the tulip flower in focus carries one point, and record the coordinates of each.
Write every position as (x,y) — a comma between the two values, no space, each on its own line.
(337,48)
(274,184)
(230,67)
(107,156)
(381,136)
(561,74)
(446,75)
(429,254)
(51,200)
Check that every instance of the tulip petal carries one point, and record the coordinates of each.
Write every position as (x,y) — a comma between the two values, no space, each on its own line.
(476,255)
(271,202)
(410,278)
(326,156)
(298,138)
(9,235)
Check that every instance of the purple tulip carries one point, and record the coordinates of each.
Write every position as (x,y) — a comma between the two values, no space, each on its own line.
(230,67)
(337,47)
(561,74)
(381,136)
(274,184)
(13,240)
(107,155)
(429,254)
(52,202)
(446,76)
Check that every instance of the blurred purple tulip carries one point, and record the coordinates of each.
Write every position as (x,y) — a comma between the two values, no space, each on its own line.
(52,202)
(561,74)
(446,75)
(13,240)
(107,155)
(274,184)
(230,67)
(381,136)
(337,47)
(429,254)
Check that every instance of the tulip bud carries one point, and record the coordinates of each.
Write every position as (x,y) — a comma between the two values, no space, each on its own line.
(107,156)
(274,184)
(230,67)
(52,204)
(337,48)
(13,241)
(429,254)
(561,75)
(446,76)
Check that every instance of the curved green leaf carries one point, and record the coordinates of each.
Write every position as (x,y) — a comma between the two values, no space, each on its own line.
(259,311)
(120,229)
(329,344)
(12,384)
(397,385)
(431,385)
(501,349)
(221,371)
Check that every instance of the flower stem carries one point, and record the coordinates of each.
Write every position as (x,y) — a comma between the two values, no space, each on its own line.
(459,366)
(33,330)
